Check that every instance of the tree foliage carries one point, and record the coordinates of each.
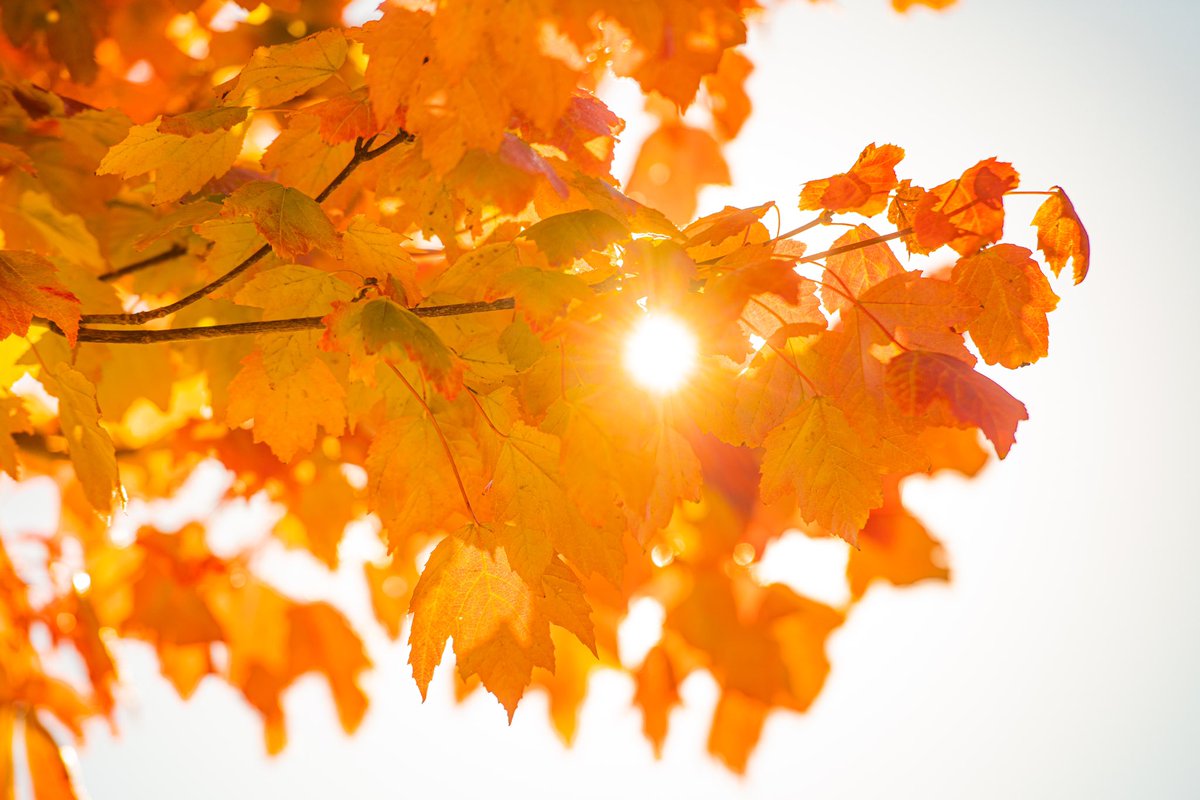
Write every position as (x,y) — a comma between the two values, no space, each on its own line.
(385,269)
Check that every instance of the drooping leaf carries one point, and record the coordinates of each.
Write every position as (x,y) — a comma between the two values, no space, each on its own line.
(291,221)
(945,391)
(474,596)
(29,288)
(89,445)
(1061,236)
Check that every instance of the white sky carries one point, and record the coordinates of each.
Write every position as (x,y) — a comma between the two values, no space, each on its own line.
(1063,660)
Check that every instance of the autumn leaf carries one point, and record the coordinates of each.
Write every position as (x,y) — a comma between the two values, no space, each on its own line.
(1015,297)
(382,327)
(89,445)
(1061,236)
(277,74)
(48,770)
(945,391)
(474,596)
(864,189)
(181,164)
(566,237)
(672,166)
(291,221)
(656,693)
(816,456)
(974,204)
(528,491)
(286,413)
(29,288)
(849,274)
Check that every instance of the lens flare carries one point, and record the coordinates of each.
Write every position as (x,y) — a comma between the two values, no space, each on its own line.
(660,353)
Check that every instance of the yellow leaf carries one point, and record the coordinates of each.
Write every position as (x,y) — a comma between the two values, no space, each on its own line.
(64,233)
(528,491)
(276,74)
(378,252)
(411,485)
(384,328)
(294,290)
(181,164)
(91,450)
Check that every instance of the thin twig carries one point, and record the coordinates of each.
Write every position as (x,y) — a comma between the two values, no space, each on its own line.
(171,254)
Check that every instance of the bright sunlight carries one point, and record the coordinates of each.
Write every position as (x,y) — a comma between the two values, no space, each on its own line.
(660,353)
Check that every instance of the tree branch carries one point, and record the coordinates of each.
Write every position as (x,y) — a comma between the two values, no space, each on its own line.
(167,255)
(265,326)
(361,156)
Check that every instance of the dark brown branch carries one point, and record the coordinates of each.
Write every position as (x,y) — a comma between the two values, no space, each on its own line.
(361,156)
(266,326)
(171,254)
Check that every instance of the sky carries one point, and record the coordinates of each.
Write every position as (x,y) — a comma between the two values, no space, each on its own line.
(1064,658)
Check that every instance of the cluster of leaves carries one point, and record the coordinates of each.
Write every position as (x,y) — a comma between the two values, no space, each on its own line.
(411,304)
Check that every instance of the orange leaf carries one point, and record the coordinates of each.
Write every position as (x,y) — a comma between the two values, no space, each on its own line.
(974,203)
(290,220)
(672,166)
(48,770)
(656,692)
(286,412)
(1012,328)
(727,93)
(1061,235)
(945,391)
(475,597)
(894,547)
(848,275)
(28,288)
(817,457)
(864,189)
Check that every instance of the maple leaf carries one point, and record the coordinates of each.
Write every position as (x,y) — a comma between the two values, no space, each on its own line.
(1015,297)
(28,288)
(89,445)
(499,631)
(384,328)
(974,203)
(818,457)
(1061,236)
(276,74)
(656,692)
(673,164)
(864,189)
(181,164)
(287,412)
(945,391)
(291,221)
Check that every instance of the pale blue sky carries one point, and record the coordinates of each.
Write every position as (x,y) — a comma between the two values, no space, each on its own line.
(1063,661)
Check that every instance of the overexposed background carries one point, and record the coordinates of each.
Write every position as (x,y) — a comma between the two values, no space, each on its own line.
(1063,660)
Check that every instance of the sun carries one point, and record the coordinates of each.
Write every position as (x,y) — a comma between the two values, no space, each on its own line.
(660,353)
